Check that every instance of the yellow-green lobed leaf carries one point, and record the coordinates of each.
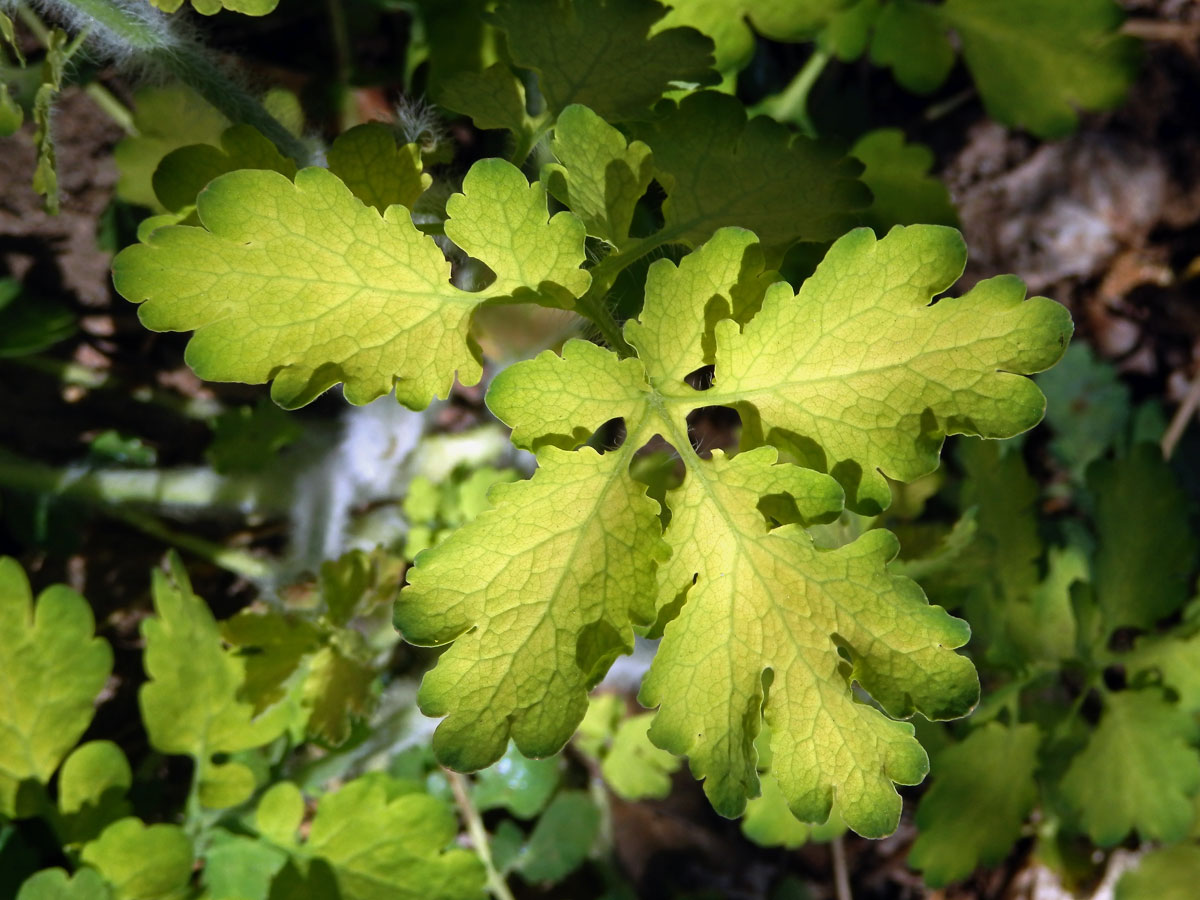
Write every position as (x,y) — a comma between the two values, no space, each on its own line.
(304,284)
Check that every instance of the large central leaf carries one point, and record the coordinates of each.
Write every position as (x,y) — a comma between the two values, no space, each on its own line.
(760,624)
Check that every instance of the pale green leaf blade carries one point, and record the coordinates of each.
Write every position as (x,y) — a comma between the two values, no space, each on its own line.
(1146,549)
(1138,771)
(142,862)
(674,331)
(304,284)
(55,884)
(718,170)
(1087,406)
(567,397)
(385,847)
(991,770)
(597,53)
(769,610)
(1038,61)
(769,823)
(860,366)
(237,867)
(91,789)
(1168,873)
(539,595)
(898,175)
(1173,660)
(184,173)
(11,113)
(190,704)
(634,768)
(380,173)
(338,690)
(599,176)
(54,666)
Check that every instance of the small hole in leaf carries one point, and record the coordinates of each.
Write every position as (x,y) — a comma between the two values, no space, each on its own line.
(1114,678)
(609,436)
(701,379)
(714,427)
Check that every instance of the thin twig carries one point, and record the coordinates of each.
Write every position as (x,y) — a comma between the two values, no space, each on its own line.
(841,876)
(1179,421)
(479,836)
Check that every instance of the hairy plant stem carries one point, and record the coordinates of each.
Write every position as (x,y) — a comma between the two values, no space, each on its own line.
(1179,422)
(841,875)
(149,45)
(525,142)
(479,836)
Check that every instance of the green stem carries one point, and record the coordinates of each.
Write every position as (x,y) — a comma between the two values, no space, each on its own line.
(112,107)
(479,836)
(527,140)
(148,39)
(238,562)
(791,105)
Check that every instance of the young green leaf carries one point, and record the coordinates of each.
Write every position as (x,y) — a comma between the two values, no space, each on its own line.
(991,770)
(380,173)
(631,765)
(1146,549)
(493,98)
(191,704)
(910,37)
(718,169)
(597,53)
(1168,873)
(1038,61)
(598,175)
(816,620)
(898,176)
(237,867)
(561,838)
(521,785)
(1087,406)
(55,884)
(142,862)
(769,823)
(1139,770)
(371,843)
(303,284)
(53,668)
(185,172)
(45,176)
(91,790)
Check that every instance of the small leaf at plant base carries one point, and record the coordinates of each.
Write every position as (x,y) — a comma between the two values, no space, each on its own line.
(191,703)
(521,785)
(1146,549)
(53,667)
(718,169)
(141,861)
(561,839)
(599,176)
(1087,406)
(185,172)
(1036,62)
(236,866)
(409,839)
(1171,659)
(304,284)
(850,385)
(55,884)
(11,113)
(597,53)
(380,173)
(1168,873)
(633,767)
(991,770)
(91,790)
(166,118)
(898,176)
(1139,770)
